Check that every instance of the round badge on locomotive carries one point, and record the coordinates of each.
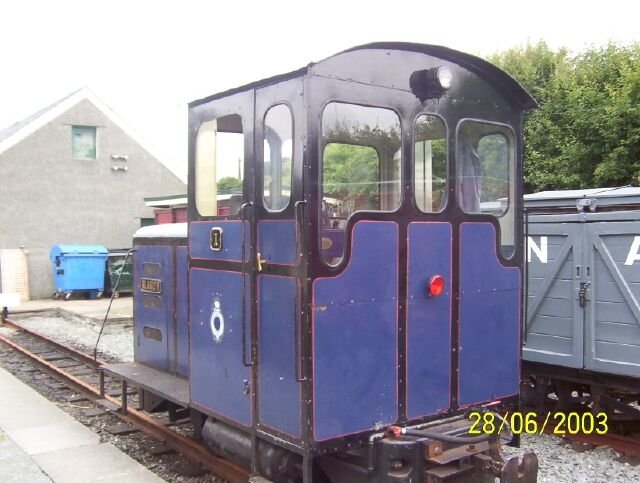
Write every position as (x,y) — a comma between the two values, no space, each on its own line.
(216,322)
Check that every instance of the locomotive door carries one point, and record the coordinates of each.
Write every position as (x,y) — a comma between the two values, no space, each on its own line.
(279,211)
(221,262)
(355,292)
(246,157)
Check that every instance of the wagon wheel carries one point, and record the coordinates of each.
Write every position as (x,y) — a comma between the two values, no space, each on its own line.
(67,296)
(116,295)
(99,294)
(55,296)
(535,392)
(571,396)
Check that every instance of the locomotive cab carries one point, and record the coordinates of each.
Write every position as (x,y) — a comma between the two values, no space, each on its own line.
(354,247)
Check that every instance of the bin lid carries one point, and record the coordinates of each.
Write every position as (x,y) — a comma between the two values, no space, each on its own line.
(57,250)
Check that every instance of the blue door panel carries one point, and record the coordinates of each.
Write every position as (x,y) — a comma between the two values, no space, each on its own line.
(153,311)
(218,379)
(280,397)
(277,241)
(489,319)
(182,310)
(200,240)
(428,320)
(355,337)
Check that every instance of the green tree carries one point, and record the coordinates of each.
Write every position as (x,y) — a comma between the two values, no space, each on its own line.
(353,156)
(350,172)
(586,132)
(229,184)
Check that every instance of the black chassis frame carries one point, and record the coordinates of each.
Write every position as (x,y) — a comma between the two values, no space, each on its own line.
(352,76)
(581,376)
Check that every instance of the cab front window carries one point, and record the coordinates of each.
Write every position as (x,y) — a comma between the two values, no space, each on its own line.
(430,164)
(486,173)
(360,168)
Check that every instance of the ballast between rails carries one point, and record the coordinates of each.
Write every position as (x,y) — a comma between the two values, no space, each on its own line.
(65,347)
(180,443)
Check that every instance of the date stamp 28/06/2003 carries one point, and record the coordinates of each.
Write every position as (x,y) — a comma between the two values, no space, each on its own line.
(560,423)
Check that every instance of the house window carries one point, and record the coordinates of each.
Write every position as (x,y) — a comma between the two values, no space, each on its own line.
(83,142)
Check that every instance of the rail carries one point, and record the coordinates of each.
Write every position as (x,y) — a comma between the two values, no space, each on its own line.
(184,445)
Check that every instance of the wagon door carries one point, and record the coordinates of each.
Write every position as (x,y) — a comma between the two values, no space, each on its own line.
(611,299)
(554,324)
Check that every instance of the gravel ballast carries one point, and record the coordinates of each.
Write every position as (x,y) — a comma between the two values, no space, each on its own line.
(116,339)
(559,462)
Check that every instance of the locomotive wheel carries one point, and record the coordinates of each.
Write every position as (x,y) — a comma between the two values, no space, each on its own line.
(116,295)
(98,295)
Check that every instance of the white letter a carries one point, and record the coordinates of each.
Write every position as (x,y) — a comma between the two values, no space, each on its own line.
(633,251)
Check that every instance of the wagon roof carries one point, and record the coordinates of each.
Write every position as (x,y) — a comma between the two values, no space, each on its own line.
(624,195)
(503,81)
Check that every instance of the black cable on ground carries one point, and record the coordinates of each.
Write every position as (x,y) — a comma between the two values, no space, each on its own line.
(113,294)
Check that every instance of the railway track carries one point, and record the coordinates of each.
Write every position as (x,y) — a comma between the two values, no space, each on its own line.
(623,425)
(78,371)
(627,445)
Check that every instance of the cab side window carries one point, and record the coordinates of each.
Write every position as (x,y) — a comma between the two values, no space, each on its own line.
(220,166)
(486,173)
(278,158)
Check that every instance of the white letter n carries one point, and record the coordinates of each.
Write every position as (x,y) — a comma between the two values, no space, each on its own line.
(540,251)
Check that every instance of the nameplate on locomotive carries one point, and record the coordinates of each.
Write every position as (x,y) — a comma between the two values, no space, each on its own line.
(151,285)
(216,239)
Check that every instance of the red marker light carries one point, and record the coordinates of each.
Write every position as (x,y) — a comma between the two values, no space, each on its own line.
(436,285)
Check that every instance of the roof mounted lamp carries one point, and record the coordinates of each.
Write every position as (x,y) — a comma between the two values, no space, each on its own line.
(430,83)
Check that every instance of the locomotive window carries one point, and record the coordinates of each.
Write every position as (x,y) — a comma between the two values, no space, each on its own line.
(486,169)
(278,155)
(360,171)
(430,164)
(219,166)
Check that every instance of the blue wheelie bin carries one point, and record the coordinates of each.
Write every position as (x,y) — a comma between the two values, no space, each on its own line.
(78,268)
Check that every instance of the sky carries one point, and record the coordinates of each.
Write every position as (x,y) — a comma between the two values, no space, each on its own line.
(148,59)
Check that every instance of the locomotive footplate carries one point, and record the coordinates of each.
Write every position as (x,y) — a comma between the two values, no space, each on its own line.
(433,454)
(155,386)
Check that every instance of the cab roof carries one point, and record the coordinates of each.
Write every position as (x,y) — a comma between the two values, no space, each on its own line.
(503,82)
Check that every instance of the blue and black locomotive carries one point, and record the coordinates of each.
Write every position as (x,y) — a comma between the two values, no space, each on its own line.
(349,284)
